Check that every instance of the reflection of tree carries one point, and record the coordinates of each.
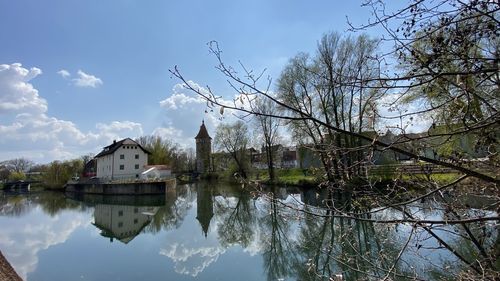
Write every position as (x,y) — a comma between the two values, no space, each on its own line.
(237,221)
(14,205)
(178,201)
(279,255)
(473,244)
(51,203)
(54,202)
(342,246)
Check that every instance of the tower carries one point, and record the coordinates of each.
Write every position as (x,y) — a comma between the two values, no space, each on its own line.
(203,149)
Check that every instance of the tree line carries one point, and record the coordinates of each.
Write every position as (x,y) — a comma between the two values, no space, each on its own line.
(57,173)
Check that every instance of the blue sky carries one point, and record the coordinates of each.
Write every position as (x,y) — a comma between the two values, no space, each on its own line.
(75,75)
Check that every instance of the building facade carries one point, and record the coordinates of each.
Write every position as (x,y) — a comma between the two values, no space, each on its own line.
(121,160)
(203,150)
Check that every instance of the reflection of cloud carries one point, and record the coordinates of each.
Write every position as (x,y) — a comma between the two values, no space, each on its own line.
(190,251)
(25,238)
(191,260)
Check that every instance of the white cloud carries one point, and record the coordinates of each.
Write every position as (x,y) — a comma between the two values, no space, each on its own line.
(16,95)
(116,129)
(185,110)
(87,80)
(64,73)
(389,109)
(168,132)
(179,100)
(27,130)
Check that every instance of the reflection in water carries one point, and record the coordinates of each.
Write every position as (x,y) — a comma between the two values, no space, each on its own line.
(122,222)
(28,228)
(190,252)
(204,206)
(272,235)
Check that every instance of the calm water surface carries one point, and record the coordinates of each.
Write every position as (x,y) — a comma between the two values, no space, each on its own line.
(209,232)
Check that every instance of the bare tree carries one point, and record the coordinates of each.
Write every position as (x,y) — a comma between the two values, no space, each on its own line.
(331,87)
(20,165)
(233,139)
(268,129)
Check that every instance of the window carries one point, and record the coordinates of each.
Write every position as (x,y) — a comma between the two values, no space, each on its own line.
(122,167)
(120,224)
(122,156)
(136,210)
(136,221)
(120,213)
(137,156)
(137,166)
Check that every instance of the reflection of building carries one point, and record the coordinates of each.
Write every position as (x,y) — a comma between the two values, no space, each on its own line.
(122,222)
(203,149)
(122,159)
(205,207)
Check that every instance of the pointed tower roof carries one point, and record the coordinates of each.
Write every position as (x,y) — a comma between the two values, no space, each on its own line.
(205,223)
(203,133)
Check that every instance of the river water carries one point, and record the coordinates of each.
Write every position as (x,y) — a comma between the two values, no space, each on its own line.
(219,231)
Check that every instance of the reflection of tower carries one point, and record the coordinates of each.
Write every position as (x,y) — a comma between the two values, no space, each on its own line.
(122,222)
(203,149)
(205,207)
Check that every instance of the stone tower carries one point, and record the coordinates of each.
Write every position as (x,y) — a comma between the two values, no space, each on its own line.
(203,149)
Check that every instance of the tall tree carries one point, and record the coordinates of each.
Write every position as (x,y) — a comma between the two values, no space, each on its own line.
(233,139)
(162,151)
(267,127)
(333,87)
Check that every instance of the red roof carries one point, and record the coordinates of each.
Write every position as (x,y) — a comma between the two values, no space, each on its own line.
(203,133)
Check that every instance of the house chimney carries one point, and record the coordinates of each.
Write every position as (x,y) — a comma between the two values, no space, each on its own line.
(114,141)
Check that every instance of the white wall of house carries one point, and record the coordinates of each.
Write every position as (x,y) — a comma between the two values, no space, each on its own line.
(104,164)
(127,161)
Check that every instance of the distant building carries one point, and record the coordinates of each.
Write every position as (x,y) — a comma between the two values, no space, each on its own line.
(289,158)
(203,149)
(89,170)
(122,159)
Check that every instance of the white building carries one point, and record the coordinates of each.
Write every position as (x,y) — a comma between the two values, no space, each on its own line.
(120,160)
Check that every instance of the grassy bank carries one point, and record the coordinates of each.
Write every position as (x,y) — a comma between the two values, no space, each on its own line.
(442,178)
(297,177)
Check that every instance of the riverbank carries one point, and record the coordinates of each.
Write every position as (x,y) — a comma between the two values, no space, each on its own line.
(7,272)
(120,187)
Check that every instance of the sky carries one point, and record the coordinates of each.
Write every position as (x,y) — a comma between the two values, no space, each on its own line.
(75,75)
